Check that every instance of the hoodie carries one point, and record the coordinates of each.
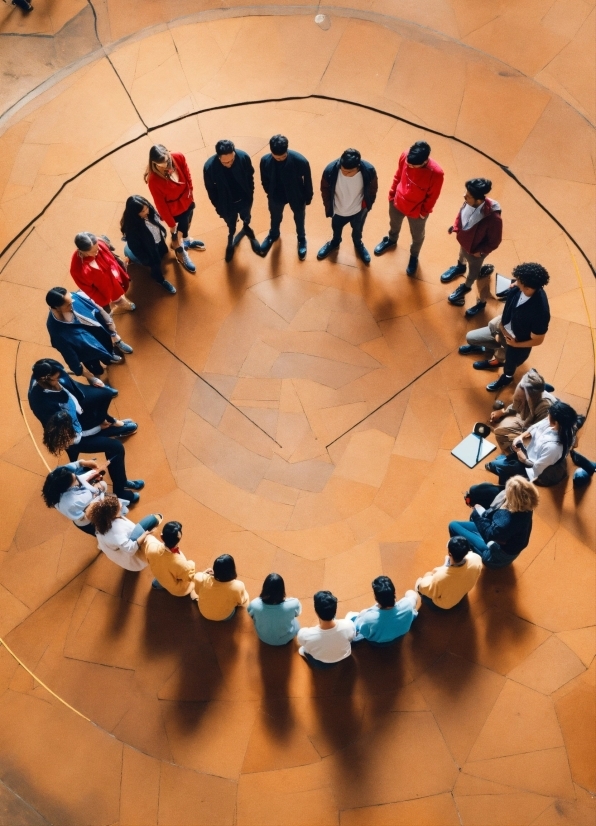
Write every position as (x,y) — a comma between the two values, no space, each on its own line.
(485,235)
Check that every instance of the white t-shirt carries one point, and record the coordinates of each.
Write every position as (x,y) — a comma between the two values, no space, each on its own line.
(348,194)
(521,300)
(330,645)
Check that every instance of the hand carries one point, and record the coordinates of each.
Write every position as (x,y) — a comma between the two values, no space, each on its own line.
(450,230)
(208,571)
(90,463)
(126,260)
(496,415)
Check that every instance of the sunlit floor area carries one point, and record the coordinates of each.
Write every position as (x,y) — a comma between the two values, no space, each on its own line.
(300,416)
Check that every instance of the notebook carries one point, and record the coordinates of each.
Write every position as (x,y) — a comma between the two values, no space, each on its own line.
(473,450)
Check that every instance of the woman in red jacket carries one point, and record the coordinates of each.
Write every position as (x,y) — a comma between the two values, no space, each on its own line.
(170,184)
(99,274)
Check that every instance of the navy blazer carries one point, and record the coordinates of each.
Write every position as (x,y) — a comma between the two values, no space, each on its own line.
(92,400)
(78,342)
(511,530)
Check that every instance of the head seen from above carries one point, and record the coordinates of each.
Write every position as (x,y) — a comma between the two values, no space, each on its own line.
(476,191)
(418,154)
(350,162)
(226,152)
(86,243)
(279,147)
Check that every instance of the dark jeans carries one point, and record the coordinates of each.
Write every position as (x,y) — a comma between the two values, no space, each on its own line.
(491,557)
(508,466)
(276,210)
(241,209)
(514,357)
(318,663)
(113,450)
(184,220)
(86,529)
(154,266)
(96,401)
(356,221)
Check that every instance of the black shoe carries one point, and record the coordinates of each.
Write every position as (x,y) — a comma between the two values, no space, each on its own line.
(549,388)
(504,293)
(501,382)
(477,308)
(452,273)
(384,245)
(468,349)
(256,247)
(248,231)
(487,364)
(326,249)
(23,4)
(486,270)
(302,250)
(412,265)
(229,253)
(130,496)
(267,244)
(457,297)
(362,253)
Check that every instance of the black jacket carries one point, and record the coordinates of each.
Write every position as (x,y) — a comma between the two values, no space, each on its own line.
(218,191)
(329,180)
(295,174)
(141,241)
(44,405)
(533,316)
(510,530)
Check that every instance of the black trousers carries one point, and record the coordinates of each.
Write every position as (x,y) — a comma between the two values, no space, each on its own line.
(514,357)
(112,449)
(276,210)
(184,220)
(241,209)
(96,401)
(356,221)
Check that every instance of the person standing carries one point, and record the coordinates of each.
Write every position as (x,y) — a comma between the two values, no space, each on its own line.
(479,230)
(230,183)
(98,273)
(170,183)
(415,189)
(349,188)
(286,179)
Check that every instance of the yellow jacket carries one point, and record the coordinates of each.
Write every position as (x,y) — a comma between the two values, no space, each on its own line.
(217,600)
(174,571)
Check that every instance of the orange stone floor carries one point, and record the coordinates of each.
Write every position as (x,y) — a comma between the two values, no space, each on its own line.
(300,416)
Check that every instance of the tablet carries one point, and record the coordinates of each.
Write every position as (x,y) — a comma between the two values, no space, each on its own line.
(470,451)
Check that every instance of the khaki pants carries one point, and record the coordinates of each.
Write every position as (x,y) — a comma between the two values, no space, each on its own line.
(417,228)
(487,337)
(474,265)
(506,431)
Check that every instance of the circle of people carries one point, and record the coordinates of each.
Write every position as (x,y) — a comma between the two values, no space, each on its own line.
(535,433)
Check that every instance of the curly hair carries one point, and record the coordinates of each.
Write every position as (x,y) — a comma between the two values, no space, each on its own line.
(520,495)
(102,512)
(533,276)
(59,432)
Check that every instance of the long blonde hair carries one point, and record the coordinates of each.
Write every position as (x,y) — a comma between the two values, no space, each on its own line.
(520,495)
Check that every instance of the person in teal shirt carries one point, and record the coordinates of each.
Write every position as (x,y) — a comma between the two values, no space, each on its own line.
(274,614)
(389,618)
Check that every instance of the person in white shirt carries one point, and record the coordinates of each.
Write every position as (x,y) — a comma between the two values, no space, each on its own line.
(120,539)
(349,189)
(327,643)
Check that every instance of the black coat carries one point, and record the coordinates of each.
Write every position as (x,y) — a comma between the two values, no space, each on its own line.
(93,401)
(214,175)
(329,180)
(141,241)
(533,316)
(295,174)
(510,530)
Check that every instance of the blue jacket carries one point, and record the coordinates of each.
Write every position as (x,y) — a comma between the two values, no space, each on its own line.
(510,530)
(44,405)
(78,342)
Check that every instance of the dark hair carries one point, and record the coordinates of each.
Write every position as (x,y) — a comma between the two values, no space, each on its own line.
(418,153)
(224,568)
(103,512)
(273,591)
(458,547)
(325,605)
(350,159)
(533,276)
(479,188)
(384,591)
(131,214)
(56,483)
(55,297)
(85,240)
(279,144)
(224,147)
(566,417)
(171,533)
(43,368)
(59,432)
(157,154)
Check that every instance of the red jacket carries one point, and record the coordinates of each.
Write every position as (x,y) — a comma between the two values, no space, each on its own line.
(172,198)
(486,235)
(414,191)
(103,285)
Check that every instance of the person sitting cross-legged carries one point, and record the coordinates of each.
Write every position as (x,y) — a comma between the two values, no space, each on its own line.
(172,571)
(445,587)
(274,614)
(327,643)
(219,591)
(388,619)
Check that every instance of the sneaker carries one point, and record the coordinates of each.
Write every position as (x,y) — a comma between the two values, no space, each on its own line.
(362,253)
(256,247)
(581,478)
(487,364)
(468,349)
(384,245)
(583,462)
(134,484)
(302,250)
(501,382)
(477,308)
(490,466)
(169,287)
(229,253)
(412,265)
(326,249)
(452,273)
(457,297)
(123,347)
(192,244)
(182,258)
(128,428)
(116,359)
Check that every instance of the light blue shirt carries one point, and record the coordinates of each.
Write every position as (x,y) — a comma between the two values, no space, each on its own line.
(385,624)
(275,624)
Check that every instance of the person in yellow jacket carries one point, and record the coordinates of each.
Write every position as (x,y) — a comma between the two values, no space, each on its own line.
(445,587)
(173,572)
(218,590)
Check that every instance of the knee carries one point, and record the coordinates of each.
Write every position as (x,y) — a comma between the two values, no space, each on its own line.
(115,451)
(453,528)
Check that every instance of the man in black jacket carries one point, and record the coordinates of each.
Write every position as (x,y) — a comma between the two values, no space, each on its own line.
(230,183)
(348,188)
(286,179)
